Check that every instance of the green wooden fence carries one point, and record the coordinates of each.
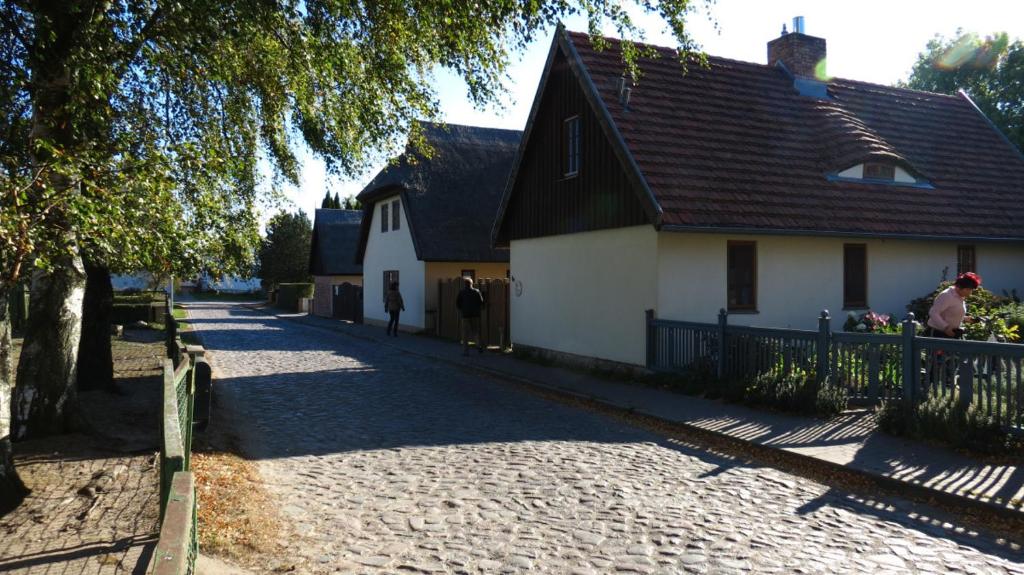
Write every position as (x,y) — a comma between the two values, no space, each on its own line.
(184,370)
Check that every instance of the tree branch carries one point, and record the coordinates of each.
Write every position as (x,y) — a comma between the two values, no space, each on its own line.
(145,35)
(15,29)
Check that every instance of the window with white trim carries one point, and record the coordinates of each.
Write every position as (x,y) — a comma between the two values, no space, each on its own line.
(571,139)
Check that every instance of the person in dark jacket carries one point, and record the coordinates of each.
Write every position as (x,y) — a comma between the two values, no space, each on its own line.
(470,302)
(394,305)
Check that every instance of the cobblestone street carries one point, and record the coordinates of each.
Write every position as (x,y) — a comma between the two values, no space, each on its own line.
(387,462)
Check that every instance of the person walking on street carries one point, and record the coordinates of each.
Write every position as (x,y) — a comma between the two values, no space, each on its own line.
(394,305)
(946,316)
(469,303)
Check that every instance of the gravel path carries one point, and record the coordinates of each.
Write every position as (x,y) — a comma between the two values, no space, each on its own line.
(386,462)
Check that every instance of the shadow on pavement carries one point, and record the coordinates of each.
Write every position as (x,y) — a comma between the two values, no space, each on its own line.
(387,399)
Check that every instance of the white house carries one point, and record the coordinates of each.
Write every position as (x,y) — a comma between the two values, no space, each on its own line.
(755,188)
(428,218)
(332,256)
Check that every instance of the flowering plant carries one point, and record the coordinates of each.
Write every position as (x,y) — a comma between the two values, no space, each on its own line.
(871,322)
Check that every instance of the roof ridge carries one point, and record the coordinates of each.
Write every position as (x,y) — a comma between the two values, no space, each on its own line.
(711,57)
(466,127)
(736,145)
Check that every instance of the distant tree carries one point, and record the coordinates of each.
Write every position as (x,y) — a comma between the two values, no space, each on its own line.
(284,252)
(351,203)
(337,202)
(989,70)
(327,202)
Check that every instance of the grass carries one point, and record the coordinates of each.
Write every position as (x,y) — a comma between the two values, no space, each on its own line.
(185,331)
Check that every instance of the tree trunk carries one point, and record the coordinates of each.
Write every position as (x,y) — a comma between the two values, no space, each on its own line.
(12,490)
(95,361)
(44,395)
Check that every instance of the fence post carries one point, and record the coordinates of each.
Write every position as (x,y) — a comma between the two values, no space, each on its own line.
(440,307)
(649,318)
(171,327)
(821,369)
(910,367)
(965,381)
(203,387)
(723,319)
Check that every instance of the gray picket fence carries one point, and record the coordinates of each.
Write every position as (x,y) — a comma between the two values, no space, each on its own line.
(872,367)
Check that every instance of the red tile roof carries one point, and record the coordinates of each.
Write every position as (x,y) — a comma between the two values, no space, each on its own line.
(734,145)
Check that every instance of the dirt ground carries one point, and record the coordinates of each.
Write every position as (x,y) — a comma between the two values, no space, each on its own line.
(94,501)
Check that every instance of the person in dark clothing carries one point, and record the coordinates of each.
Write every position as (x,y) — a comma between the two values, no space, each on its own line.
(394,305)
(470,303)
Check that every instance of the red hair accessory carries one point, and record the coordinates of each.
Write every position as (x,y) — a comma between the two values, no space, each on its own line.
(967,278)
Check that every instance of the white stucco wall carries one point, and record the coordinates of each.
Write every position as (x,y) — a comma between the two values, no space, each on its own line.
(136,281)
(585,293)
(392,250)
(235,284)
(797,277)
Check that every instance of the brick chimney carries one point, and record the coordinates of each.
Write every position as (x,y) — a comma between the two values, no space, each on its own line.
(799,52)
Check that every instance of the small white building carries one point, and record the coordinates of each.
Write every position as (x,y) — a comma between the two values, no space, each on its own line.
(229,284)
(332,256)
(755,188)
(138,281)
(428,218)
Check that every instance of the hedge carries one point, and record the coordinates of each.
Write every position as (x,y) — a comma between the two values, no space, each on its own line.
(288,295)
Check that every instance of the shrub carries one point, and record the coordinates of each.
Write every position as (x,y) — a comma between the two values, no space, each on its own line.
(288,295)
(831,398)
(940,418)
(796,392)
(1015,317)
(699,378)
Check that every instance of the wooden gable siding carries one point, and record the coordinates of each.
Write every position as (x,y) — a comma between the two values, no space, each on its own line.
(544,202)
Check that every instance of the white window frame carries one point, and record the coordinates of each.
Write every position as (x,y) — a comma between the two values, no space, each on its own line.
(571,128)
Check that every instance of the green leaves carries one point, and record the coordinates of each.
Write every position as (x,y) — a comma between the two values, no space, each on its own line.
(284,252)
(990,70)
(141,133)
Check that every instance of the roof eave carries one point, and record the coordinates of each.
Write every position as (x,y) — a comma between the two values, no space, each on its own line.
(991,124)
(369,199)
(684,228)
(510,181)
(604,117)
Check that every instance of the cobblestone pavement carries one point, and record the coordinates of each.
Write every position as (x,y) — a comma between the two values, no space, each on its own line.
(387,462)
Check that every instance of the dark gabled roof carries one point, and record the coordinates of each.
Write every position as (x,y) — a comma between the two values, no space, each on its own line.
(449,198)
(733,146)
(332,252)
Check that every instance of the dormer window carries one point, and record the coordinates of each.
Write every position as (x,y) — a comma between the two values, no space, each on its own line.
(876,171)
(879,172)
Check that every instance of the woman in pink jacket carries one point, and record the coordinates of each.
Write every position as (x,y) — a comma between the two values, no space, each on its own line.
(946,315)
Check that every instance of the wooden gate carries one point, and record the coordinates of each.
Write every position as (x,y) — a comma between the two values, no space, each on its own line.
(348,302)
(494,319)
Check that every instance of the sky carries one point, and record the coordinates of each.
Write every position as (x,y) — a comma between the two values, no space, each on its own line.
(870,40)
